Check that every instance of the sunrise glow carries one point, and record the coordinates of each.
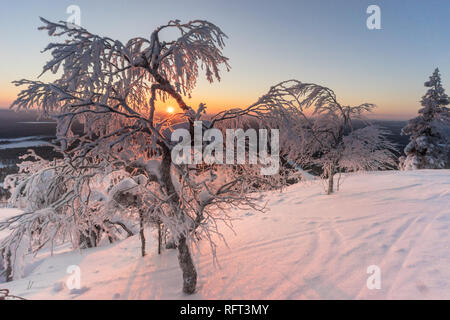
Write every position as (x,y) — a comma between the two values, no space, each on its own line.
(170,109)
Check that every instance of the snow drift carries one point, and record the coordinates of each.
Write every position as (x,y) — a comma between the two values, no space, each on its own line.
(307,246)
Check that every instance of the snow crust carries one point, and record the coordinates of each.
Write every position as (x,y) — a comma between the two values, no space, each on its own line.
(307,246)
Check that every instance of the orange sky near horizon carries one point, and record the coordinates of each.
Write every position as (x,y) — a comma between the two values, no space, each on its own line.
(387,110)
(238,90)
(322,42)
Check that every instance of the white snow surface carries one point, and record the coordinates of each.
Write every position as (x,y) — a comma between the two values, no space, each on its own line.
(24,144)
(27,138)
(307,246)
(6,213)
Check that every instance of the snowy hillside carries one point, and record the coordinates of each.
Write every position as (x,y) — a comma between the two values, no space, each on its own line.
(307,246)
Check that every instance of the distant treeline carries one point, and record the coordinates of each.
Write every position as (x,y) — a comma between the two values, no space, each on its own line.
(12,126)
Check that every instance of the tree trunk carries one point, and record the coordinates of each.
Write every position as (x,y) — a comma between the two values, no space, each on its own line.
(141,232)
(8,266)
(338,183)
(187,267)
(159,237)
(330,182)
(90,238)
(184,256)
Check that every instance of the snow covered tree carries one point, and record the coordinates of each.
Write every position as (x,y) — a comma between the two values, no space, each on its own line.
(429,132)
(111,89)
(317,131)
(62,201)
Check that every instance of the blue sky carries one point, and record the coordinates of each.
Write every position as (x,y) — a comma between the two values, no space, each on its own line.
(325,42)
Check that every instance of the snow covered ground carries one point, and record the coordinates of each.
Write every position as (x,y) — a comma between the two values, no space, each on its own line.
(27,138)
(4,214)
(24,142)
(308,246)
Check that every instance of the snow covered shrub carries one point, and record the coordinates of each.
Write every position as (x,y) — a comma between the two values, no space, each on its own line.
(61,202)
(317,131)
(429,132)
(111,89)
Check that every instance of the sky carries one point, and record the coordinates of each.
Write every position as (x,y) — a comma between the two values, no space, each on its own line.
(322,41)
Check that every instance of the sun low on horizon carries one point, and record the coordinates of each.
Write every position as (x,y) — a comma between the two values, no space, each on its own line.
(170,110)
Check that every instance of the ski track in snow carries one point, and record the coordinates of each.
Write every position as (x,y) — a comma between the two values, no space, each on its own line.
(308,246)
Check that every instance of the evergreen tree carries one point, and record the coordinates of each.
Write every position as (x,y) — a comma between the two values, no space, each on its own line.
(429,141)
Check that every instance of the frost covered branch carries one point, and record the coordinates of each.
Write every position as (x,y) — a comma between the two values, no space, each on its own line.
(319,132)
(117,171)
